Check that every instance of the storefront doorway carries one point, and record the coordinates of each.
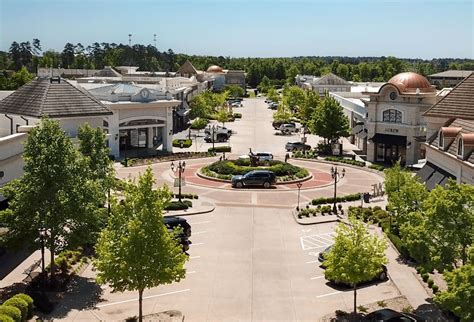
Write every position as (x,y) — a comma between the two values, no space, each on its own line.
(390,148)
(133,139)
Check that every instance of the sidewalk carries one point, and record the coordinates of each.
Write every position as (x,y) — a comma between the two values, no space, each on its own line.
(17,275)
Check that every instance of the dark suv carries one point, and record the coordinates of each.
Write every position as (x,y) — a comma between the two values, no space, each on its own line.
(263,178)
(173,222)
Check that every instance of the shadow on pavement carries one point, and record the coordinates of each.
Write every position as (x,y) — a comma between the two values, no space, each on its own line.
(83,294)
(11,259)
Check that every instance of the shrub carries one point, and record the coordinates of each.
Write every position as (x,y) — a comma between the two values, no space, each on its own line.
(177,205)
(6,318)
(351,197)
(397,242)
(20,304)
(362,309)
(407,309)
(224,148)
(435,288)
(186,143)
(199,124)
(382,303)
(346,161)
(377,167)
(28,300)
(186,196)
(425,277)
(420,270)
(11,311)
(430,282)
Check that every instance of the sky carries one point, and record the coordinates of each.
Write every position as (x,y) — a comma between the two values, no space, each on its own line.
(250,28)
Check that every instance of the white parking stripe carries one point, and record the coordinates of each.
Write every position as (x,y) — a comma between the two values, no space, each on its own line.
(191,272)
(331,240)
(199,232)
(311,242)
(317,240)
(197,244)
(317,277)
(194,257)
(311,262)
(146,297)
(328,294)
(199,222)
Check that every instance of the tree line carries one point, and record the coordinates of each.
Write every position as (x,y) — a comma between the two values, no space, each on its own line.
(278,70)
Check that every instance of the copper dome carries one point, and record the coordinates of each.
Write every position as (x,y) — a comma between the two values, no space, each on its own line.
(215,69)
(410,82)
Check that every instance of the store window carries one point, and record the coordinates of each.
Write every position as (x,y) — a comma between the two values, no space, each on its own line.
(392,116)
(460,148)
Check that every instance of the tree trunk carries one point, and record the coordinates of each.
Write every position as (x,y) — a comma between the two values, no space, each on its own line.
(140,312)
(355,299)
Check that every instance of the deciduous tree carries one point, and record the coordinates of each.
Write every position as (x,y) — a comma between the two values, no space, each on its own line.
(135,251)
(329,121)
(356,256)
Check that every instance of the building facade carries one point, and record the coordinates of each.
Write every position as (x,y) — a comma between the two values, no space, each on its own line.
(450,137)
(449,78)
(329,83)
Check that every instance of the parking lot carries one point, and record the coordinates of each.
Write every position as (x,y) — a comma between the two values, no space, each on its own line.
(246,264)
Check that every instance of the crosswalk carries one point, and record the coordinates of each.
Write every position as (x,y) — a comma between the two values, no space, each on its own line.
(316,241)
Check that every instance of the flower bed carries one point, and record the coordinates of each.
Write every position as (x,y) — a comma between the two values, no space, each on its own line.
(165,157)
(346,161)
(226,169)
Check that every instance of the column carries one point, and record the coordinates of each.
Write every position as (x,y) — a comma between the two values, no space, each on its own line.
(149,143)
(168,131)
(114,137)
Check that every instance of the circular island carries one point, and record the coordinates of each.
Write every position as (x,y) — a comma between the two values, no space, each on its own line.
(224,170)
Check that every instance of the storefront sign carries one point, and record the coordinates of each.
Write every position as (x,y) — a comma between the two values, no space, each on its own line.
(389,130)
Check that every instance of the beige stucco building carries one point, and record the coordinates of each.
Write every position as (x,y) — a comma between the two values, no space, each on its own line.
(450,137)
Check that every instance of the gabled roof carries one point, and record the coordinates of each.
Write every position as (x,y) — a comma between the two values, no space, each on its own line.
(187,69)
(41,97)
(459,103)
(452,73)
(330,79)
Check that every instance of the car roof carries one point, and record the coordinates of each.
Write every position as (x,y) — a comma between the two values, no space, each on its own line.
(263,153)
(385,314)
(260,171)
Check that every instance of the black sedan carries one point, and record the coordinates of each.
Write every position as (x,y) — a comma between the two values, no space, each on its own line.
(389,315)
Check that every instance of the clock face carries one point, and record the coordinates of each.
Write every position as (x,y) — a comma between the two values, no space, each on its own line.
(144,93)
(393,96)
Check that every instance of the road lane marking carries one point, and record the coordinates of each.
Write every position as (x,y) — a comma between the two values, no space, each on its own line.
(199,232)
(317,277)
(194,257)
(191,272)
(197,244)
(311,262)
(145,297)
(328,294)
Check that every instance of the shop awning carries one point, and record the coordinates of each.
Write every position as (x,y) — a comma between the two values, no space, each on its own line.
(389,139)
(433,175)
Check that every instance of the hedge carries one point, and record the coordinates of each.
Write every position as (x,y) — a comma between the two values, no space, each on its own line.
(186,143)
(20,304)
(6,318)
(28,301)
(224,148)
(351,197)
(179,205)
(186,196)
(346,161)
(278,167)
(377,167)
(11,311)
(308,155)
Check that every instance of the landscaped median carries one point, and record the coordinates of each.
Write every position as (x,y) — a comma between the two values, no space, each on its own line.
(311,155)
(224,170)
(130,162)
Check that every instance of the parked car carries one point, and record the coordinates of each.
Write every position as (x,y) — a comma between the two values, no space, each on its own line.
(236,104)
(276,124)
(382,276)
(287,128)
(390,315)
(173,222)
(218,137)
(264,156)
(218,129)
(263,178)
(297,146)
(273,106)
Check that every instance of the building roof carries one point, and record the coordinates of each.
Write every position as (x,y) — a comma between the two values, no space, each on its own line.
(187,69)
(453,73)
(410,82)
(215,69)
(108,72)
(41,97)
(459,103)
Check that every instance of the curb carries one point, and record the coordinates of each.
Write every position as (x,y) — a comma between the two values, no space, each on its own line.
(380,173)
(203,176)
(182,213)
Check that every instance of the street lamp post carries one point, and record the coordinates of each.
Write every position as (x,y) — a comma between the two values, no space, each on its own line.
(213,136)
(42,234)
(299,185)
(336,175)
(180,169)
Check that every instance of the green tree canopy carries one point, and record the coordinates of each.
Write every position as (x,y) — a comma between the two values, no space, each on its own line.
(459,297)
(235,90)
(356,256)
(54,193)
(272,95)
(223,116)
(329,121)
(295,97)
(135,251)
